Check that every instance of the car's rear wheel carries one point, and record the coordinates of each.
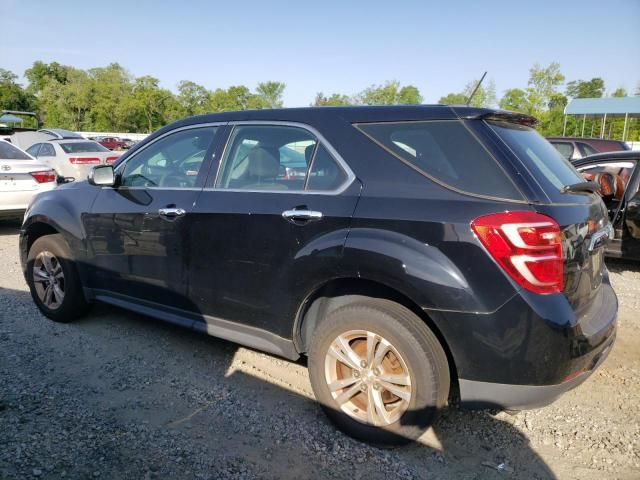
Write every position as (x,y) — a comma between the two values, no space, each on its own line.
(378,371)
(53,280)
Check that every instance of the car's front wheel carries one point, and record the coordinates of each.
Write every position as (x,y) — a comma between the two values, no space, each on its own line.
(53,280)
(378,371)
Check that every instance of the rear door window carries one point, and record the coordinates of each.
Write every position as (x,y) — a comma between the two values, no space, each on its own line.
(446,152)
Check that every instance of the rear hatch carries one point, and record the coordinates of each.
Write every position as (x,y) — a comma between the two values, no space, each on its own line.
(560,192)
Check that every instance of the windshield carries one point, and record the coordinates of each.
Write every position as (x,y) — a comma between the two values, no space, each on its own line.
(545,162)
(82,147)
(9,152)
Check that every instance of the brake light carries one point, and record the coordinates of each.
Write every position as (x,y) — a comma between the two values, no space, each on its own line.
(112,159)
(527,245)
(44,176)
(83,160)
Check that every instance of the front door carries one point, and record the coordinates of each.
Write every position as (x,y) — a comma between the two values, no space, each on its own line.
(618,180)
(270,226)
(139,231)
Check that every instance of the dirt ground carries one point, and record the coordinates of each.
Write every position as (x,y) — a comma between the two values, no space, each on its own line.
(119,395)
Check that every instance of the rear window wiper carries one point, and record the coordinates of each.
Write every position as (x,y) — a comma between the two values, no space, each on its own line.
(590,187)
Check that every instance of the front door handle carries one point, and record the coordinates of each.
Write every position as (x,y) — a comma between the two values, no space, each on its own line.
(172,212)
(302,215)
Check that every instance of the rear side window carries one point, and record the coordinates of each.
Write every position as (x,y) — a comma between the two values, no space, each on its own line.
(544,161)
(566,149)
(444,151)
(9,152)
(47,150)
(586,149)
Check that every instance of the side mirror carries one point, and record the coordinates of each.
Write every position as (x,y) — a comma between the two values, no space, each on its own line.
(102,175)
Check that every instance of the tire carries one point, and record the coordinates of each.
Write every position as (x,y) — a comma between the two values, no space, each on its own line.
(414,354)
(49,258)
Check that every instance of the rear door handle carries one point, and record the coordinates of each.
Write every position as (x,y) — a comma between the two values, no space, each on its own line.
(302,215)
(172,212)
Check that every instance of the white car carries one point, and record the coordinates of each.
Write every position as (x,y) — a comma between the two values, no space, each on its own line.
(21,178)
(72,157)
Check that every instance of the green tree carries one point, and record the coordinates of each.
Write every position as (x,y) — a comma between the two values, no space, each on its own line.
(151,101)
(389,94)
(113,86)
(593,88)
(237,97)
(515,99)
(485,96)
(453,99)
(543,83)
(192,98)
(619,92)
(12,95)
(334,100)
(270,93)
(41,74)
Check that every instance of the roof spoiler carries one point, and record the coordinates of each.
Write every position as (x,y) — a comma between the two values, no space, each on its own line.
(496,115)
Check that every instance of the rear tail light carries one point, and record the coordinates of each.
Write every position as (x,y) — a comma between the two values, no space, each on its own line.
(44,176)
(527,245)
(112,159)
(84,160)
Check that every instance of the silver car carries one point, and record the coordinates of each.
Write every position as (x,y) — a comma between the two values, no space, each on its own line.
(72,157)
(21,178)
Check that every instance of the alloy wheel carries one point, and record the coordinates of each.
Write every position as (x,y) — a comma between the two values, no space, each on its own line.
(368,378)
(48,279)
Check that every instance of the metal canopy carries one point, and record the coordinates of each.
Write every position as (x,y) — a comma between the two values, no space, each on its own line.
(611,106)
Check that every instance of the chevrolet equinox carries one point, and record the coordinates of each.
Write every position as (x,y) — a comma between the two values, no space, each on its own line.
(408,251)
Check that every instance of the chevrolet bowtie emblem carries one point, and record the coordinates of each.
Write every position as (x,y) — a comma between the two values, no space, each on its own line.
(5,167)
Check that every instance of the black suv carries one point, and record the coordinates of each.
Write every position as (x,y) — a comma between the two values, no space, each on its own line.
(414,251)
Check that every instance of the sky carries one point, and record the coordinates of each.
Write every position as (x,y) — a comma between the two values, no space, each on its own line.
(330,46)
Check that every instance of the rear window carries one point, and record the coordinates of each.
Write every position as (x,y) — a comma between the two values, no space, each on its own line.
(545,162)
(9,152)
(82,147)
(446,152)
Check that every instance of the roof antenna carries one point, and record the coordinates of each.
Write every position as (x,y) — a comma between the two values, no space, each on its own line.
(475,89)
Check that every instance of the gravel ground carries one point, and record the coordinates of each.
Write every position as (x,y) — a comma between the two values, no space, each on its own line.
(119,395)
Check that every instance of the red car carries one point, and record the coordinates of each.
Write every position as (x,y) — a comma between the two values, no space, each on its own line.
(575,148)
(113,143)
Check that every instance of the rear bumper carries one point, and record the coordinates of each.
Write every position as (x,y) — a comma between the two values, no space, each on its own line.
(531,350)
(475,394)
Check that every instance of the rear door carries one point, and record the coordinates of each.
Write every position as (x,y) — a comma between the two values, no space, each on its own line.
(264,236)
(138,232)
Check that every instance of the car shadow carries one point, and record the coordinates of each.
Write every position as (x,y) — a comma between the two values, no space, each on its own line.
(621,265)
(187,402)
(10,226)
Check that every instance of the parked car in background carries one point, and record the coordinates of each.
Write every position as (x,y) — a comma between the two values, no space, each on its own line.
(422,247)
(72,157)
(113,143)
(574,148)
(21,178)
(128,143)
(618,176)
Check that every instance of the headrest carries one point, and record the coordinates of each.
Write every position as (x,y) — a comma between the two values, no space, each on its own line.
(262,163)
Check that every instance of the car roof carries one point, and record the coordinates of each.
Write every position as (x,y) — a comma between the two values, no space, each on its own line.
(584,139)
(618,155)
(351,114)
